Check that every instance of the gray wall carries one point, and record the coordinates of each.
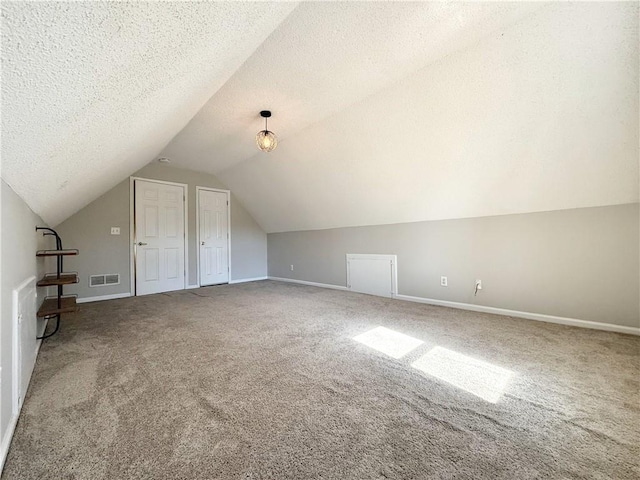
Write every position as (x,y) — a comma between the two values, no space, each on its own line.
(19,242)
(100,252)
(580,263)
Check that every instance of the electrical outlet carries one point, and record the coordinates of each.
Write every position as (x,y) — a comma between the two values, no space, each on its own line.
(443,282)
(115,230)
(291,267)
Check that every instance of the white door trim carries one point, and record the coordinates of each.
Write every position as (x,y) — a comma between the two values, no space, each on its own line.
(209,189)
(132,233)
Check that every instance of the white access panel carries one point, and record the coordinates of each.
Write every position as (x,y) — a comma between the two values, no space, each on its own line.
(24,340)
(373,274)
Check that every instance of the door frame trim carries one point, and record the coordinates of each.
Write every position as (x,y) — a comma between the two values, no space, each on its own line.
(132,232)
(219,190)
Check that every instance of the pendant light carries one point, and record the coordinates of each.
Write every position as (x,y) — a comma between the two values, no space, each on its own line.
(265,139)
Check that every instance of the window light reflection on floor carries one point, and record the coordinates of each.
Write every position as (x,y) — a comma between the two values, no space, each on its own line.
(482,379)
(389,342)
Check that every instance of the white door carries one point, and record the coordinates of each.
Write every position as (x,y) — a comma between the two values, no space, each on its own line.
(213,217)
(159,237)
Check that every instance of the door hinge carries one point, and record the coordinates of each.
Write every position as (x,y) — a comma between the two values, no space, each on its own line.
(227,202)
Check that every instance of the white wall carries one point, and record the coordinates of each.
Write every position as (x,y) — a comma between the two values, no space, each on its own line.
(19,243)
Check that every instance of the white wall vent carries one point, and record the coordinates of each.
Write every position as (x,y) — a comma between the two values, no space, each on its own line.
(104,279)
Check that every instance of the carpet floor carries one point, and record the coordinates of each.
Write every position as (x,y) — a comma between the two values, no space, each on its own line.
(265,380)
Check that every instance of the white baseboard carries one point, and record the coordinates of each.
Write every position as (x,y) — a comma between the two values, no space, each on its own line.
(574,322)
(191,287)
(6,439)
(245,280)
(103,297)
(313,284)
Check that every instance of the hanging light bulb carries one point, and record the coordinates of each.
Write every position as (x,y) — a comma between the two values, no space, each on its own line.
(266,140)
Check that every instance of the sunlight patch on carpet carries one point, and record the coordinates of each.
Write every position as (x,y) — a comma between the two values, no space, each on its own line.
(389,342)
(479,378)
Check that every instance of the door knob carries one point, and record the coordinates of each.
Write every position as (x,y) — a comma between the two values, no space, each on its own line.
(141,243)
(201,243)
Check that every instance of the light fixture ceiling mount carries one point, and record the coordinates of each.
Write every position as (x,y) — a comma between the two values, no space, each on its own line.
(266,140)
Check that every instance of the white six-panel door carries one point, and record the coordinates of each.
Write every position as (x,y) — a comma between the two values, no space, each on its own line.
(159,237)
(213,236)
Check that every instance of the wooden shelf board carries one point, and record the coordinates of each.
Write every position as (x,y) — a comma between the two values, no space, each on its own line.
(51,279)
(56,253)
(50,306)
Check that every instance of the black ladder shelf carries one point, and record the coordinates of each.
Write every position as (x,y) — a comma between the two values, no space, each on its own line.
(55,306)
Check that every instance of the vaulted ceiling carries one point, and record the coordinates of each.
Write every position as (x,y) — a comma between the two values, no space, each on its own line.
(386,112)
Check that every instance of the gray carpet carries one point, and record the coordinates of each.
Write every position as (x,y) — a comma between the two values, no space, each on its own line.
(265,380)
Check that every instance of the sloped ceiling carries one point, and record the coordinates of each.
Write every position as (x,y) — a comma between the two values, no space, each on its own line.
(386,112)
(323,58)
(540,115)
(92,91)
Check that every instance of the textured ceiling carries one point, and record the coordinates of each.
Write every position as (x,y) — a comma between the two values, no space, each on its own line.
(324,57)
(540,116)
(386,111)
(92,91)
